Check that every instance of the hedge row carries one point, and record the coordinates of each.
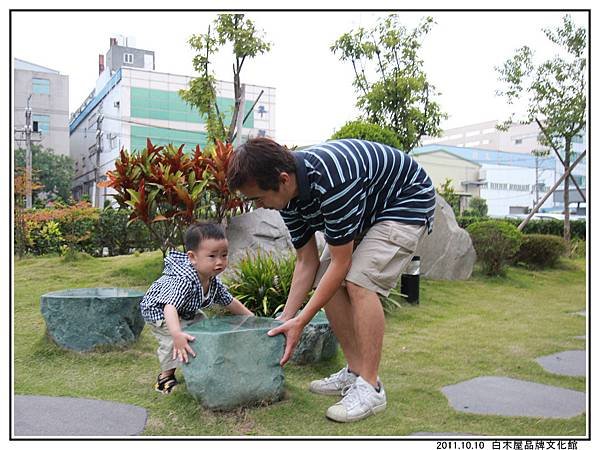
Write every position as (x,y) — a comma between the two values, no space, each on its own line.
(553,227)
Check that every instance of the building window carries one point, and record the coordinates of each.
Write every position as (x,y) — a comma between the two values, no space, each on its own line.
(518,141)
(41,122)
(40,86)
(128,58)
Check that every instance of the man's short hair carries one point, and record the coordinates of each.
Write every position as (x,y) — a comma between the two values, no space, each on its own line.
(259,160)
(200,231)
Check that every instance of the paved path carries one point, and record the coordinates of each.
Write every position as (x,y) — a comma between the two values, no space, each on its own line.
(67,416)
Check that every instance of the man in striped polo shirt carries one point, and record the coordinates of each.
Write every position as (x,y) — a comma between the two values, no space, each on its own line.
(373,203)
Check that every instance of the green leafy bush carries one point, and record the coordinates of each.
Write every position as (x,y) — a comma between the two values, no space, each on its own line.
(46,237)
(495,242)
(262,282)
(367,131)
(113,232)
(577,248)
(554,227)
(540,250)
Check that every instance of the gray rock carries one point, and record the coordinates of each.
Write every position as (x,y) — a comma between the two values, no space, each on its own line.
(82,319)
(236,363)
(259,229)
(65,416)
(447,253)
(509,397)
(317,343)
(570,363)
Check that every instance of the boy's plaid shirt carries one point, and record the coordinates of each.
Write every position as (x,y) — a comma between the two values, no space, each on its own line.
(180,286)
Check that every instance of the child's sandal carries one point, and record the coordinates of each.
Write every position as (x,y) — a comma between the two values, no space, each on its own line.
(165,384)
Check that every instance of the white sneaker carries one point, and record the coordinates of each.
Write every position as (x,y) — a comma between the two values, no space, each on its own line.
(360,400)
(334,383)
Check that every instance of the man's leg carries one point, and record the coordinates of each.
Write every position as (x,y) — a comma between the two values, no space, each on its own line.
(368,324)
(341,319)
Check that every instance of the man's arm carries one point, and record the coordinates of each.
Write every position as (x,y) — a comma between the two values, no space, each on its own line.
(307,263)
(341,259)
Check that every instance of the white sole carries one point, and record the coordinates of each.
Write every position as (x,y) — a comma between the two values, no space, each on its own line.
(376,410)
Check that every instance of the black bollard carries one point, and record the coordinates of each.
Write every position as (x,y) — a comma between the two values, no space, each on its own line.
(409,281)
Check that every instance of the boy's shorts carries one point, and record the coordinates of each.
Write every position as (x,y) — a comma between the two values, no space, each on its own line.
(380,256)
(165,341)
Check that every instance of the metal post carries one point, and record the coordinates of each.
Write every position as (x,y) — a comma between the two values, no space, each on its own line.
(28,162)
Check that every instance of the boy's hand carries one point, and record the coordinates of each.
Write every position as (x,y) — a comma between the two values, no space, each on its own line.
(181,348)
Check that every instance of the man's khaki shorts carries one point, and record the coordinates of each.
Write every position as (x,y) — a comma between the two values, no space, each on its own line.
(380,256)
(165,341)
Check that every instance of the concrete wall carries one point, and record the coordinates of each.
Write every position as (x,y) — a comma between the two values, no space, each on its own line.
(442,166)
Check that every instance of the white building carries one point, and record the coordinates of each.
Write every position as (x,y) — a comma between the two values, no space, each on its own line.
(131,102)
(506,180)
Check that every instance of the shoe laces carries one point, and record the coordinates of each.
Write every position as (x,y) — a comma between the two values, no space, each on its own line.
(339,376)
(353,395)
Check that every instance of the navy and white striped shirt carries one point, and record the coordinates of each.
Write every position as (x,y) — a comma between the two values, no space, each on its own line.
(345,186)
(180,286)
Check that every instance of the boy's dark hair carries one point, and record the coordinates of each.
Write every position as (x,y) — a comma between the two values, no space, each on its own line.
(200,231)
(260,160)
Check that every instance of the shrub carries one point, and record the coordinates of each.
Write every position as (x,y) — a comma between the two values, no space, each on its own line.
(495,242)
(554,227)
(540,250)
(46,237)
(577,248)
(367,131)
(113,232)
(262,282)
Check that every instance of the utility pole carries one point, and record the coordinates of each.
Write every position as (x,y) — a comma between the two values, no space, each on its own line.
(28,130)
(99,134)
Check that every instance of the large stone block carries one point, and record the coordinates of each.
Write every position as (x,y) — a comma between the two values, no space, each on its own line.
(447,253)
(82,319)
(236,363)
(317,343)
(259,229)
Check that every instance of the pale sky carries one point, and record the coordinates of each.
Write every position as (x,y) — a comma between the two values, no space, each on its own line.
(314,89)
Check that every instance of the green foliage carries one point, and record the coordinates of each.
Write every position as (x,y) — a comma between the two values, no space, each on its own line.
(495,242)
(166,188)
(555,91)
(262,282)
(115,233)
(52,172)
(577,248)
(449,194)
(247,43)
(359,129)
(544,226)
(540,250)
(477,208)
(401,98)
(47,238)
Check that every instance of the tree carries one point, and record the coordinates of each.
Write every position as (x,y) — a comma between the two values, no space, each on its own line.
(358,129)
(53,173)
(449,194)
(477,208)
(400,98)
(554,91)
(247,42)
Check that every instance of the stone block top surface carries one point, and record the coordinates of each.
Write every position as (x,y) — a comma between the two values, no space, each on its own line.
(96,292)
(232,324)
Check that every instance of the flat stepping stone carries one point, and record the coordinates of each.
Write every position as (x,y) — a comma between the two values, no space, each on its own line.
(580,337)
(570,363)
(580,313)
(510,397)
(67,416)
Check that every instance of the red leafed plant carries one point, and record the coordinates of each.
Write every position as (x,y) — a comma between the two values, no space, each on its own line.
(167,188)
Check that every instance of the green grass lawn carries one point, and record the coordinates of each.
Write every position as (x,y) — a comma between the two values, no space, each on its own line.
(461,330)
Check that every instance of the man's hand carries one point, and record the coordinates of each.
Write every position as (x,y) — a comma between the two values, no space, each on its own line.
(292,329)
(181,348)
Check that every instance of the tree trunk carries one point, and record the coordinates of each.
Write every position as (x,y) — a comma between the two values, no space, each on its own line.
(567,225)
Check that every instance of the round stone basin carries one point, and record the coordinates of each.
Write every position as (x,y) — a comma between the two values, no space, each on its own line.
(82,319)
